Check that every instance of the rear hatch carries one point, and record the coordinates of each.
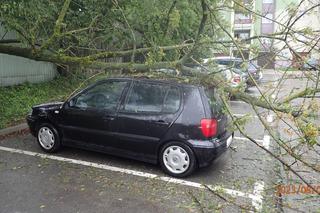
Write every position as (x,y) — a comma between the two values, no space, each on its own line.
(215,111)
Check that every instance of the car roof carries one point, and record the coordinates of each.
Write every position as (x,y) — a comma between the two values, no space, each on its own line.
(227,58)
(151,80)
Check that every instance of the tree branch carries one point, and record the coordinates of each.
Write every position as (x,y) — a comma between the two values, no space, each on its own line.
(57,28)
(113,54)
(202,24)
(301,94)
(168,17)
(83,61)
(9,41)
(270,152)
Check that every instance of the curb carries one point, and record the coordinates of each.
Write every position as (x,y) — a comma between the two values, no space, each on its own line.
(21,129)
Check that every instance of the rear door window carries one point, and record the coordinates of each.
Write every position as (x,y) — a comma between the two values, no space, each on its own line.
(152,98)
(172,100)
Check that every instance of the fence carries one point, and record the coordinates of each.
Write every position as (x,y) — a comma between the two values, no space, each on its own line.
(16,70)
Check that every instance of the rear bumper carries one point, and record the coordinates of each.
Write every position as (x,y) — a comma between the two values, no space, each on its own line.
(207,151)
(31,121)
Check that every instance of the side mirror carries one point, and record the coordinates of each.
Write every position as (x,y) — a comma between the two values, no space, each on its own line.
(71,102)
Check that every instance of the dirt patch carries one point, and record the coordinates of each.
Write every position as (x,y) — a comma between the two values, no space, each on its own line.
(19,132)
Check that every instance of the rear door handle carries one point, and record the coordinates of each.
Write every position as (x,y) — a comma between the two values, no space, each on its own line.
(162,122)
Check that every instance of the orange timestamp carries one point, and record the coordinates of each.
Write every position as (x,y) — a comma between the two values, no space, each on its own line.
(286,189)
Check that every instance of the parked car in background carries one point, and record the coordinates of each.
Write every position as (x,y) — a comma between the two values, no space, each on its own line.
(180,126)
(255,70)
(251,69)
(234,76)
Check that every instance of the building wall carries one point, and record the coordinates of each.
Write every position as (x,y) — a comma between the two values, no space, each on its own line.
(16,70)
(277,10)
(309,20)
(253,23)
(226,18)
(257,21)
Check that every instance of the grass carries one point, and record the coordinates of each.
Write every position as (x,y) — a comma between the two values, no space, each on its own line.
(16,101)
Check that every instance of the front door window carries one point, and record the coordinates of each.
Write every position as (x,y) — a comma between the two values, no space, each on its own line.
(104,96)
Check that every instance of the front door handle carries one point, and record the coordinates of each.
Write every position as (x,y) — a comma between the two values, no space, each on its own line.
(109,118)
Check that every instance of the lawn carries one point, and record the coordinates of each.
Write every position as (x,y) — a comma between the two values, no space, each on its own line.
(16,101)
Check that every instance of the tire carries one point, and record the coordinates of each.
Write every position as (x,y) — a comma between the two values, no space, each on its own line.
(48,138)
(177,159)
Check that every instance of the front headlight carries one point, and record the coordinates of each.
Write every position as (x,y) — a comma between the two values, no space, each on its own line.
(30,112)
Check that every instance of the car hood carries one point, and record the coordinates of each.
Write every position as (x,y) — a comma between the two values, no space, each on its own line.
(48,106)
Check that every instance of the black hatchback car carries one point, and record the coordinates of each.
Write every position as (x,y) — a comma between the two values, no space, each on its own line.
(179,126)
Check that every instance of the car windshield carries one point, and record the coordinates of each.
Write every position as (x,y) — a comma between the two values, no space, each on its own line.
(252,65)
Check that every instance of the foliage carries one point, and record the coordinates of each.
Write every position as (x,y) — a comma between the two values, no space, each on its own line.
(311,133)
(95,23)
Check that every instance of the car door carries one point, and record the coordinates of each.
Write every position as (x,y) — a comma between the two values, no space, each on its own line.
(88,119)
(146,114)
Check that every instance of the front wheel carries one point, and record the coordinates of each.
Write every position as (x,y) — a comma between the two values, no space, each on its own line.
(177,159)
(48,138)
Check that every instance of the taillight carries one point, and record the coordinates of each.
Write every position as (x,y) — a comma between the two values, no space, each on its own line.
(209,127)
(236,79)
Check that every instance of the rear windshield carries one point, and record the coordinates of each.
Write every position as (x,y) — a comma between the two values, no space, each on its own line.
(252,65)
(230,63)
(214,100)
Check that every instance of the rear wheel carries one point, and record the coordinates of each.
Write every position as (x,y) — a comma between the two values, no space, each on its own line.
(177,159)
(48,138)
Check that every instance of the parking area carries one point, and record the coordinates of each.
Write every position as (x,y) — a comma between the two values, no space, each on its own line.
(75,180)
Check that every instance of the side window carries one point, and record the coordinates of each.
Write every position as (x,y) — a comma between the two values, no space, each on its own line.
(222,62)
(214,100)
(152,98)
(103,96)
(172,100)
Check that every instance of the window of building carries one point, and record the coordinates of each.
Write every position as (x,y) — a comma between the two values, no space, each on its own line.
(241,16)
(242,34)
(268,19)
